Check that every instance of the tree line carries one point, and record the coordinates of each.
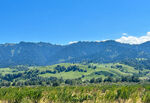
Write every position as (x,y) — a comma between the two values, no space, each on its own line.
(53,81)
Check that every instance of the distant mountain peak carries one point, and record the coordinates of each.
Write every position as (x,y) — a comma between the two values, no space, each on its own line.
(41,53)
(75,42)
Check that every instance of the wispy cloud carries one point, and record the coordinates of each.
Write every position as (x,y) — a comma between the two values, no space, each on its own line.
(124,34)
(133,39)
(72,42)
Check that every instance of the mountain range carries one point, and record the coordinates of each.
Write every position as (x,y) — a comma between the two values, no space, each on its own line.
(30,53)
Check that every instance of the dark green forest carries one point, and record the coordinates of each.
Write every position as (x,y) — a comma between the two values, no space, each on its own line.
(43,54)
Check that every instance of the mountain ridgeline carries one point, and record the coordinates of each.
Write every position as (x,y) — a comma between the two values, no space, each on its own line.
(28,53)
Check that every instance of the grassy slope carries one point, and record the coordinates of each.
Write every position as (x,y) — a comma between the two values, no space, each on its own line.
(105,68)
(117,72)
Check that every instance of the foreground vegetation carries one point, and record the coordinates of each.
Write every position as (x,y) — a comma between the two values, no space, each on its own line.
(104,93)
(75,83)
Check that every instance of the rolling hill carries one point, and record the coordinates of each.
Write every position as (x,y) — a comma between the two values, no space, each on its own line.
(71,71)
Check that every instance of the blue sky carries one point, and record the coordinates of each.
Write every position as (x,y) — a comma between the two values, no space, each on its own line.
(62,21)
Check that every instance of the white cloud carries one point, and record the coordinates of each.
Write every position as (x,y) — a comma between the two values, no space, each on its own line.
(134,39)
(72,42)
(124,34)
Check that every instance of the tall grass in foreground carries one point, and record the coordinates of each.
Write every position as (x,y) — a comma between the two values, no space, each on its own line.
(77,94)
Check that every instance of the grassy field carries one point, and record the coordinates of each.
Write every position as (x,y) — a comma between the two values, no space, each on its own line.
(111,68)
(115,70)
(104,93)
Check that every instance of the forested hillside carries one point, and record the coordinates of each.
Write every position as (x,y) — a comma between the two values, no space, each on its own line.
(38,54)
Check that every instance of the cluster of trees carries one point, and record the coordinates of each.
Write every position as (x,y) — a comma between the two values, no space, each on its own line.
(104,73)
(48,71)
(59,69)
(110,79)
(53,81)
(123,79)
(93,67)
(138,64)
(98,80)
(11,77)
